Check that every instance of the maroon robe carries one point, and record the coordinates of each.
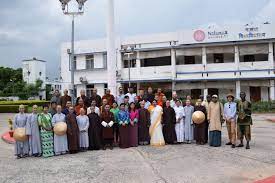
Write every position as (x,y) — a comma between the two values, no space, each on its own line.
(72,133)
(143,126)
(107,133)
(200,130)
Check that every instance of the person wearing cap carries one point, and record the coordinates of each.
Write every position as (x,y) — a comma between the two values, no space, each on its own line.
(230,109)
(215,119)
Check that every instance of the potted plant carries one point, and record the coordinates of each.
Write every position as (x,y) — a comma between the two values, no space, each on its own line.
(10,127)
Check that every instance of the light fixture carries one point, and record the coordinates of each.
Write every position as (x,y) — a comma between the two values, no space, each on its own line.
(64,3)
(80,3)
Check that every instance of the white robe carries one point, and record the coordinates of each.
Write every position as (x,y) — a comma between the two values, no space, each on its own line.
(155,130)
(179,127)
(83,125)
(32,129)
(188,123)
(60,142)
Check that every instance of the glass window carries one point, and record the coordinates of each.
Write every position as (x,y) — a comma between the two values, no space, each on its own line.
(89,61)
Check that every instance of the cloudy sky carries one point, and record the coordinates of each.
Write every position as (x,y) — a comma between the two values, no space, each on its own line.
(36,28)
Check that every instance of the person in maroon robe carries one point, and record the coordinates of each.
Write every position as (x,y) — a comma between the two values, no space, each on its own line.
(64,99)
(143,125)
(94,130)
(110,98)
(85,99)
(200,131)
(107,121)
(72,131)
(96,97)
(169,122)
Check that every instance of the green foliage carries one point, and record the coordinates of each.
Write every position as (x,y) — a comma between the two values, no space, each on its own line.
(12,84)
(13,106)
(25,102)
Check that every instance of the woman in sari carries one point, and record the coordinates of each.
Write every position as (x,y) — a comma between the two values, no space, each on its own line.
(46,133)
(155,130)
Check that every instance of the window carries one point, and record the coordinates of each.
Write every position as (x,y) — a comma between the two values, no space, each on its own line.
(160,61)
(105,60)
(89,89)
(105,87)
(132,63)
(249,58)
(189,59)
(89,61)
(74,63)
(218,58)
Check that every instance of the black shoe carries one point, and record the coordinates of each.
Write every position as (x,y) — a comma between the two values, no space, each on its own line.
(247,146)
(233,146)
(228,143)
(240,145)
(111,147)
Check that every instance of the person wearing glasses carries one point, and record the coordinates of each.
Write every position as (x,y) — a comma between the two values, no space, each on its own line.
(230,110)
(215,119)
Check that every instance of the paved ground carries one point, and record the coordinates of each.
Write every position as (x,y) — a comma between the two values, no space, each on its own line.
(178,163)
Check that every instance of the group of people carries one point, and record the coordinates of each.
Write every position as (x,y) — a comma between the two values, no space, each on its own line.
(129,120)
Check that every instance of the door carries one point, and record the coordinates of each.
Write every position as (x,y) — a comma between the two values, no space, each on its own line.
(255,94)
(213,91)
(195,93)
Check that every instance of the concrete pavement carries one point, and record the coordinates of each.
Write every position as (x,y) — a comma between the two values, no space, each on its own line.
(177,163)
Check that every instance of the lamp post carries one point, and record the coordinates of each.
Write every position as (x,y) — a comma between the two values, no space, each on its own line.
(73,14)
(129,51)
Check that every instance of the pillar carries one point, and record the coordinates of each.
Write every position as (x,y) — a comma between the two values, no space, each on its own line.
(205,93)
(238,89)
(174,69)
(138,64)
(111,49)
(272,90)
(138,87)
(271,55)
(204,58)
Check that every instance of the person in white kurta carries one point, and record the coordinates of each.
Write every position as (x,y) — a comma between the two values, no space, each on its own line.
(188,123)
(60,142)
(155,129)
(180,121)
(97,110)
(83,125)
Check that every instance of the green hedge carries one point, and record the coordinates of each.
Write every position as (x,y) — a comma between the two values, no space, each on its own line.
(13,106)
(14,109)
(25,102)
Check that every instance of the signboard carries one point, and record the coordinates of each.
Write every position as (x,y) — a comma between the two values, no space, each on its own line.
(227,33)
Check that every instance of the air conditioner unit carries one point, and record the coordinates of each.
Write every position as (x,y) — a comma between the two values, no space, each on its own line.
(118,73)
(83,79)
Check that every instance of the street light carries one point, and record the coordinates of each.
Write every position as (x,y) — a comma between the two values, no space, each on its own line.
(129,50)
(73,14)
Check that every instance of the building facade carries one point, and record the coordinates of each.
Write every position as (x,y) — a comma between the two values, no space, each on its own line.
(211,60)
(33,70)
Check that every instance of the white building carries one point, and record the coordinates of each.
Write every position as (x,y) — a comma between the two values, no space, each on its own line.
(34,69)
(207,60)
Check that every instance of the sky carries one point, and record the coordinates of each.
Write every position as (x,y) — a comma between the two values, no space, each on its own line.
(36,28)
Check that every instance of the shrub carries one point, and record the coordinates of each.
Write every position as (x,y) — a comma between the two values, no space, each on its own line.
(25,102)
(10,108)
